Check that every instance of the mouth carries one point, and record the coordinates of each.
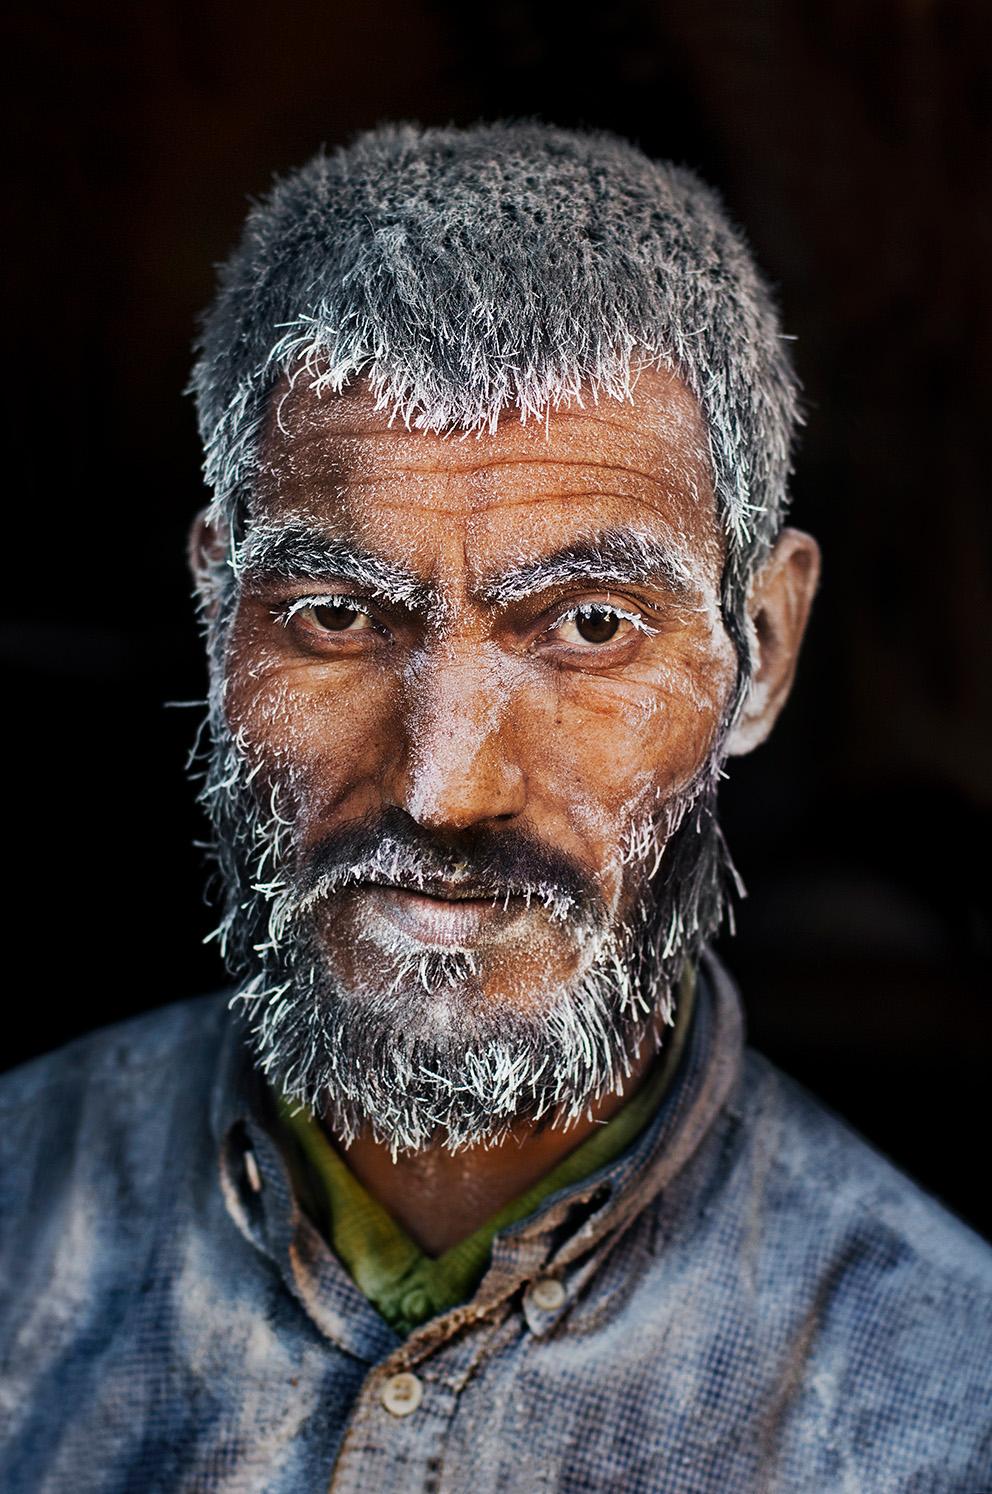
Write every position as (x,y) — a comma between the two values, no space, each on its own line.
(449,915)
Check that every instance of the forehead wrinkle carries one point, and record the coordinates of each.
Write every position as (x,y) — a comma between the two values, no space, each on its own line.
(349,420)
(374,471)
(300,551)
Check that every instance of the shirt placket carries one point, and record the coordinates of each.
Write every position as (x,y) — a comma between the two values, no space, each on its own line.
(398,1433)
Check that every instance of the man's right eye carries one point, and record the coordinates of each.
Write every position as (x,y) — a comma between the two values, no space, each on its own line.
(327,614)
(336,617)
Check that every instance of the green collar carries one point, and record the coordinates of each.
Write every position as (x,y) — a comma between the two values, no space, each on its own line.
(406,1286)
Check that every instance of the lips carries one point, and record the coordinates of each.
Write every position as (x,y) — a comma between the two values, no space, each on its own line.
(448,915)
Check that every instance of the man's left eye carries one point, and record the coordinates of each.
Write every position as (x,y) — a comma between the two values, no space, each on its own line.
(595,625)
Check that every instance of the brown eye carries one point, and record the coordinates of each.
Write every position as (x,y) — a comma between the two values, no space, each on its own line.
(336,618)
(596,625)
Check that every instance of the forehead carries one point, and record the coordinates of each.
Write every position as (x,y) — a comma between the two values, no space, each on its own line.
(338,462)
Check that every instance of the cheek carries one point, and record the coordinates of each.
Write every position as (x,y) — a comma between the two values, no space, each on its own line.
(607,739)
(602,754)
(317,734)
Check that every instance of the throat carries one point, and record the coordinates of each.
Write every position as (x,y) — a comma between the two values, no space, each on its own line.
(440,1198)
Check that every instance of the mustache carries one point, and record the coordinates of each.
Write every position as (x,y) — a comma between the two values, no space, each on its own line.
(390,849)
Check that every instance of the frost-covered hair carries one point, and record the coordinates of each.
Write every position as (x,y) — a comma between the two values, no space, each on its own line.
(509,265)
(464,273)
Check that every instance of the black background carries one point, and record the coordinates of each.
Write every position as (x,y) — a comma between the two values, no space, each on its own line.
(851,142)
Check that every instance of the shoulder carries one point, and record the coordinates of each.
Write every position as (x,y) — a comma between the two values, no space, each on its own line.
(883,1296)
(820,1299)
(100,1116)
(821,1172)
(140,1051)
(813,1179)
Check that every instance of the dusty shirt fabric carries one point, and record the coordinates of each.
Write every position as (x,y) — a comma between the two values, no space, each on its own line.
(403,1283)
(749,1299)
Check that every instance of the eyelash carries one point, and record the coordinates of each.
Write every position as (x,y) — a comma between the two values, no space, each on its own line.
(583,609)
(332,599)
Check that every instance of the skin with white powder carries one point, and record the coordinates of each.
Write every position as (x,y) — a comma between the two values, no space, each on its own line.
(512,638)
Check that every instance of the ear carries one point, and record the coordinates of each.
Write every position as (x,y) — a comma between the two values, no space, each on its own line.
(778,607)
(206,550)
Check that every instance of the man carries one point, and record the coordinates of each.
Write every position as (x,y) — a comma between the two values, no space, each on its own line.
(467,1183)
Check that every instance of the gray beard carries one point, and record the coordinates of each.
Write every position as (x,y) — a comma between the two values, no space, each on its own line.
(423,1061)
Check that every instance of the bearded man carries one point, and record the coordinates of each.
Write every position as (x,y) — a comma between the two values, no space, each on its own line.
(467,1182)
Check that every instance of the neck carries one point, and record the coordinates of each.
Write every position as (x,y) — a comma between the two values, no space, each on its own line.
(440,1198)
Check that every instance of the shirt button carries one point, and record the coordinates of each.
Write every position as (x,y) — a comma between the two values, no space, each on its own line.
(401,1394)
(416,1305)
(548,1294)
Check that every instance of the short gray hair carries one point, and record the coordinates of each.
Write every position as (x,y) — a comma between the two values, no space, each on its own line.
(511,264)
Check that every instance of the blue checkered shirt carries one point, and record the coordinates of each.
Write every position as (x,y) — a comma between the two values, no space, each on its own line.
(748,1299)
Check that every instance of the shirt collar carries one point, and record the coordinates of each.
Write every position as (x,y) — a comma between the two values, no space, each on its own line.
(564,1237)
(405,1284)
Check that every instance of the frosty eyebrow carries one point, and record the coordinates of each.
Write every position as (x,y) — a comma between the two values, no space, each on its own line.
(615,557)
(299,552)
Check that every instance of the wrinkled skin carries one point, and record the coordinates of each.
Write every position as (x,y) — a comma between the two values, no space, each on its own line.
(476,713)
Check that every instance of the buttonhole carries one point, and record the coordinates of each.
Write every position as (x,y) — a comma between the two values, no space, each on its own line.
(251,1172)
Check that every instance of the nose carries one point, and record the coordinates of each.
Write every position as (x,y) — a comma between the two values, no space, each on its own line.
(459,764)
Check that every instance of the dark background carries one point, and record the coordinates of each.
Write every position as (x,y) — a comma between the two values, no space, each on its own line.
(851,141)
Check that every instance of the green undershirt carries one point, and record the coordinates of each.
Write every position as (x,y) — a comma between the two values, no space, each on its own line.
(403,1283)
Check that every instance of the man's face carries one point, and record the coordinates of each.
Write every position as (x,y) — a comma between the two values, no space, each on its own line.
(475,683)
